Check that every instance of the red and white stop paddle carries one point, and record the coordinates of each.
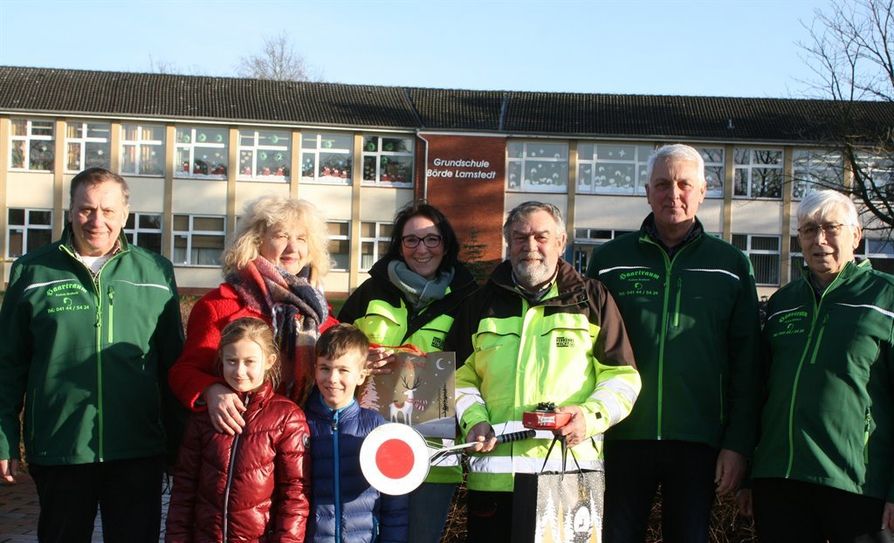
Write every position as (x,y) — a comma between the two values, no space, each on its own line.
(395,458)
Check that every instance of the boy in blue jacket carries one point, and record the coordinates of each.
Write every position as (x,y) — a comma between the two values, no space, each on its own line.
(344,507)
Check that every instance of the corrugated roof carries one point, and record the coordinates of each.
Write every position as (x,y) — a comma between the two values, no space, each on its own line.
(367,106)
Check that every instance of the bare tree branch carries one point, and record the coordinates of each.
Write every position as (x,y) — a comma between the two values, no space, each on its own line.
(277,61)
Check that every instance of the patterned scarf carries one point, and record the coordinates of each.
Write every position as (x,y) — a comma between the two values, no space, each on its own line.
(418,290)
(295,308)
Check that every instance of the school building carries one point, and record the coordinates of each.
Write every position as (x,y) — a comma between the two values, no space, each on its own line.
(195,149)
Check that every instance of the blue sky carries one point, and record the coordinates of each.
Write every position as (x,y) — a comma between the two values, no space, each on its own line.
(717,48)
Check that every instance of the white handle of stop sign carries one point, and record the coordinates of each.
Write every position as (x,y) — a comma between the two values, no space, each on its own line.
(395,458)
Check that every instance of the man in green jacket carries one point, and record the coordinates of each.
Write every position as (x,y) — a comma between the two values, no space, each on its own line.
(91,326)
(538,331)
(689,302)
(824,464)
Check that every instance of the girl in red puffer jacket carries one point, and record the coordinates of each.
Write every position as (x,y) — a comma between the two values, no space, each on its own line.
(252,486)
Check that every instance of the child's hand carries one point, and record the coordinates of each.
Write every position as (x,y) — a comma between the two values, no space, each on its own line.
(8,471)
(379,360)
(225,409)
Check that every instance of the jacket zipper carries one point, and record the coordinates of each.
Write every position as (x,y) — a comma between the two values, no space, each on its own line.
(867,427)
(336,492)
(662,337)
(226,501)
(97,289)
(813,350)
(111,334)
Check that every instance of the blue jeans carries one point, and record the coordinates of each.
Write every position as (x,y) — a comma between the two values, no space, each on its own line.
(429,506)
(633,470)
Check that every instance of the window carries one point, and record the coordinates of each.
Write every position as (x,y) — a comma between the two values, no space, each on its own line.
(541,167)
(326,158)
(264,154)
(201,152)
(87,146)
(388,160)
(374,240)
(815,169)
(585,240)
(877,173)
(796,261)
(340,245)
(714,170)
(879,251)
(143,149)
(757,172)
(144,230)
(763,251)
(198,240)
(27,230)
(609,168)
(32,145)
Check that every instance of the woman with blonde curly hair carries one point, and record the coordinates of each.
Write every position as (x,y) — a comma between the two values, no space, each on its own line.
(273,270)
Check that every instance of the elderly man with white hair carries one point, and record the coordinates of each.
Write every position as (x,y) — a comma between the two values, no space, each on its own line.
(689,303)
(824,464)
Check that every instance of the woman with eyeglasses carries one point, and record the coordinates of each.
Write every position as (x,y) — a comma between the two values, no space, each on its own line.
(823,468)
(412,296)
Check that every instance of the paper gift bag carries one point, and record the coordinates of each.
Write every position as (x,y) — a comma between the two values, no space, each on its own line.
(558,507)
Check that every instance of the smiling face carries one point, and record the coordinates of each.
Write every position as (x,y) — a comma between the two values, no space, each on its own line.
(245,364)
(285,245)
(535,244)
(826,252)
(98,213)
(338,379)
(674,193)
(422,259)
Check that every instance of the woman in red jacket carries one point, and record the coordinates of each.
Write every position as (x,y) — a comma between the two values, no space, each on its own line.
(252,486)
(273,271)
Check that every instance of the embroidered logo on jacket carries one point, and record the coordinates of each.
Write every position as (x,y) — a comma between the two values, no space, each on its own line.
(437,343)
(564,342)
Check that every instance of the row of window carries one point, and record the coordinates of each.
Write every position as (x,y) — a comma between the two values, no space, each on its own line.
(764,252)
(198,239)
(265,155)
(203,152)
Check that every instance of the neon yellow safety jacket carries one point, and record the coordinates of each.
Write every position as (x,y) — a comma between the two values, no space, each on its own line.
(570,348)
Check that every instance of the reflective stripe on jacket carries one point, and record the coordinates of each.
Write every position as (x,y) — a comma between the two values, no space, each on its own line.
(570,348)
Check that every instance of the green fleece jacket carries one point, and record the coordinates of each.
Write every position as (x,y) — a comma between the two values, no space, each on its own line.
(89,356)
(693,322)
(829,413)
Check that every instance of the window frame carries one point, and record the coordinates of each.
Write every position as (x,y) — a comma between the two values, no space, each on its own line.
(751,166)
(805,179)
(375,241)
(25,228)
(256,148)
(134,233)
(192,145)
(314,155)
(381,154)
(82,141)
(586,239)
(749,251)
(525,163)
(139,144)
(339,237)
(29,139)
(639,164)
(194,232)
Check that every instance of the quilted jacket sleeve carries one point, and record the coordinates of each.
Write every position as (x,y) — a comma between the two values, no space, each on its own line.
(181,511)
(293,475)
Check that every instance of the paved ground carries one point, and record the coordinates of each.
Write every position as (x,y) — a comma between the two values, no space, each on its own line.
(19,509)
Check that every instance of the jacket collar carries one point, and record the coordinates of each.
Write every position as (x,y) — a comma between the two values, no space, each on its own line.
(649,229)
(569,286)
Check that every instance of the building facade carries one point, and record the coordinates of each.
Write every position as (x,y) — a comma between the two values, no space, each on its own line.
(195,150)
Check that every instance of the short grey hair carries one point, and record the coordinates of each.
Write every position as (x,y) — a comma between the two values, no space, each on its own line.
(526,208)
(820,203)
(676,151)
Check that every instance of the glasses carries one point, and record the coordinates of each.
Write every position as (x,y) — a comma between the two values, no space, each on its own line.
(411,242)
(811,231)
